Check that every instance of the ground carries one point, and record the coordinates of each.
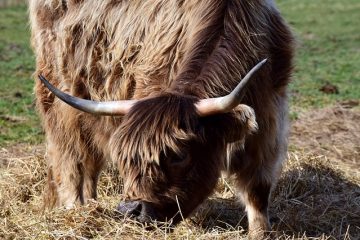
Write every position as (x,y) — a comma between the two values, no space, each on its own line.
(317,196)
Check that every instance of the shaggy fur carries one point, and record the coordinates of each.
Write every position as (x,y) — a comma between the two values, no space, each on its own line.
(173,52)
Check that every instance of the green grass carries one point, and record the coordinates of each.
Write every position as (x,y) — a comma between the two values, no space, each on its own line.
(18,120)
(328,51)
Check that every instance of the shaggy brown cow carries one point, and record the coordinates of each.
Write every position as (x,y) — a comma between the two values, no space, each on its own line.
(170,139)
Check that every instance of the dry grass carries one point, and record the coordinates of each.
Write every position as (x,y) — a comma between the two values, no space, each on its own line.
(318,195)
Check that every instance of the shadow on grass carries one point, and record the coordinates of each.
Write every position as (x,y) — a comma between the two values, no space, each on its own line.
(311,199)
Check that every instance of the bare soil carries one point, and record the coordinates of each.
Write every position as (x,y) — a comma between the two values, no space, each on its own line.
(332,132)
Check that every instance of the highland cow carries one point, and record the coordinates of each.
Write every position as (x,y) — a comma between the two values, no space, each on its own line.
(142,83)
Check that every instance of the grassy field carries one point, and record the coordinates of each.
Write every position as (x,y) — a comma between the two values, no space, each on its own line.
(318,195)
(328,50)
(18,121)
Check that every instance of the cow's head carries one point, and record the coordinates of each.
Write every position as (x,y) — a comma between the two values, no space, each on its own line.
(170,148)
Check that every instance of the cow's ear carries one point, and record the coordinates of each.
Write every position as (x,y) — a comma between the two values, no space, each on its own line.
(231,127)
(243,124)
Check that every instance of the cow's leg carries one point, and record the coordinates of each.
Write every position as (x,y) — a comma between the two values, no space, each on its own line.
(92,168)
(65,176)
(72,175)
(257,167)
(255,196)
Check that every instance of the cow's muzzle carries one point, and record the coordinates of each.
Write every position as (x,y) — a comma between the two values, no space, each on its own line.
(140,210)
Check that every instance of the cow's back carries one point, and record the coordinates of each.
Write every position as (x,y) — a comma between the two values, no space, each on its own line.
(107,50)
(122,49)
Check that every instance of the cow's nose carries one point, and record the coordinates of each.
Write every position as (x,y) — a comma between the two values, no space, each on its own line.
(132,208)
(142,211)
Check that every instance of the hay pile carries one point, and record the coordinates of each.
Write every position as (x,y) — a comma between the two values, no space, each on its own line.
(318,194)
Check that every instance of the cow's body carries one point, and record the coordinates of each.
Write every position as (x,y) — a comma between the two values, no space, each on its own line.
(162,49)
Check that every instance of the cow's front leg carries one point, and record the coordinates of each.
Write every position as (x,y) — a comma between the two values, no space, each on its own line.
(254,179)
(256,167)
(65,177)
(255,196)
(91,169)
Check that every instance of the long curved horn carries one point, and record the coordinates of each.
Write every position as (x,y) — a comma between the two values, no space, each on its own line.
(211,106)
(110,108)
